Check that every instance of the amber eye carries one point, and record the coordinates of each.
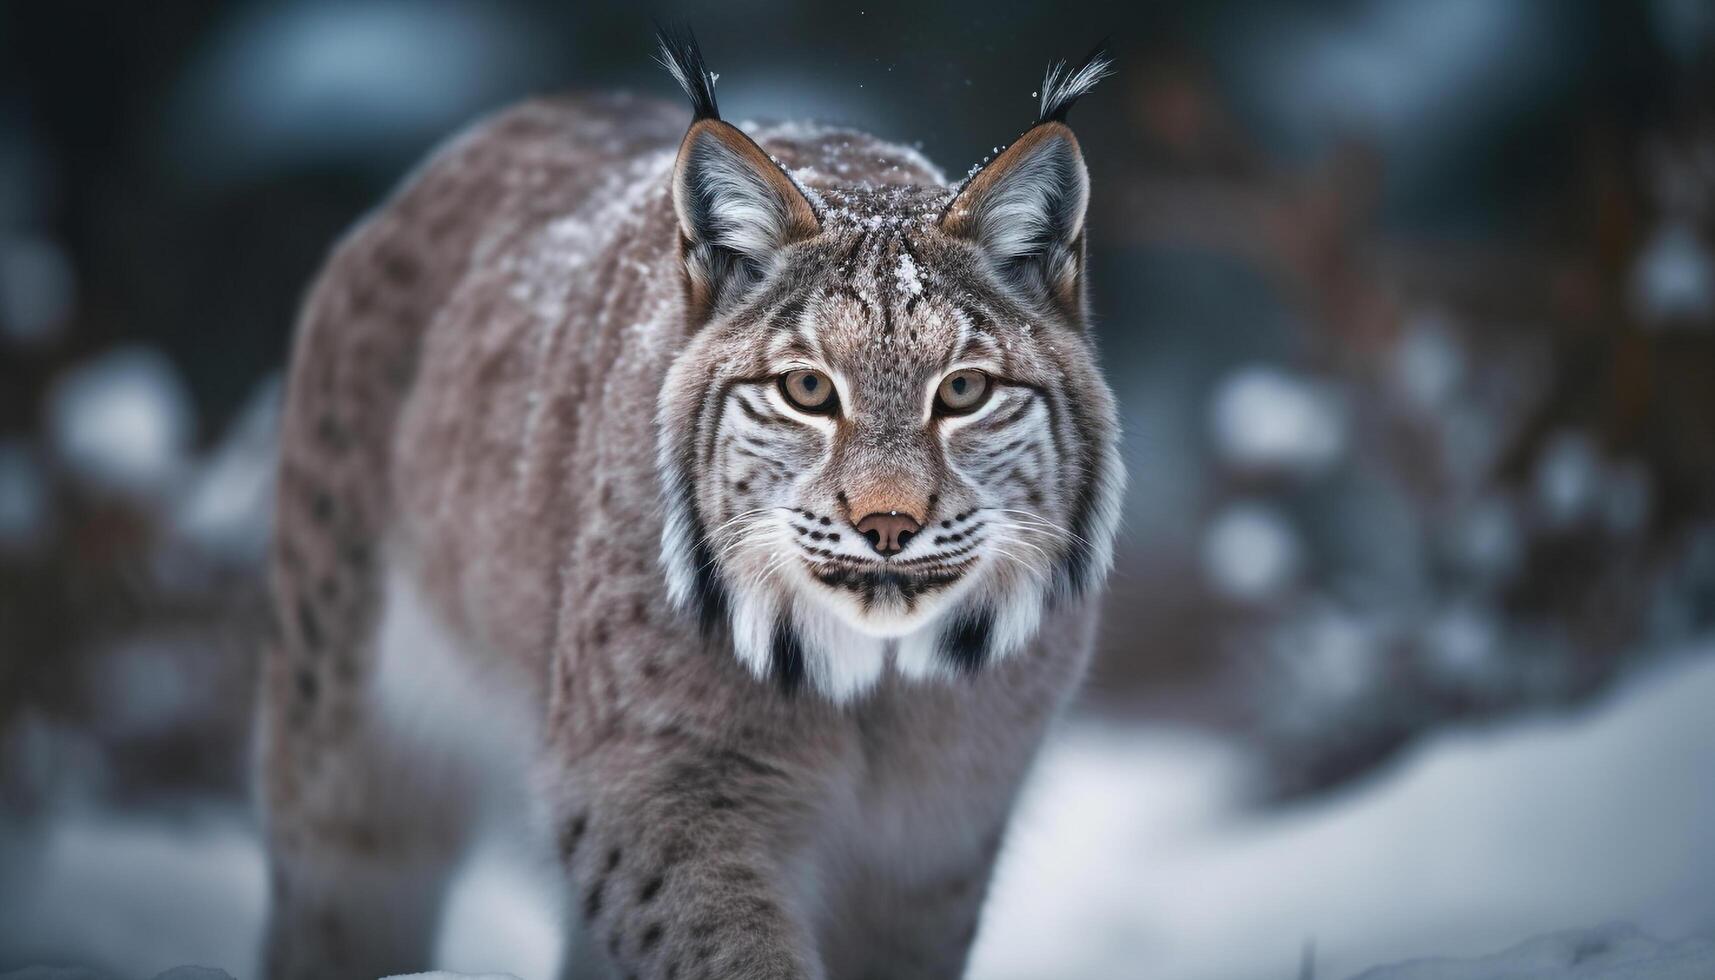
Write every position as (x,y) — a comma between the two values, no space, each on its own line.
(961,391)
(811,391)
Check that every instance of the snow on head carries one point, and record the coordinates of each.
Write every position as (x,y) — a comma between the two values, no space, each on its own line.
(907,274)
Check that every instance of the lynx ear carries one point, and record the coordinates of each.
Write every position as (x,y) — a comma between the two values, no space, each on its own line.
(737,208)
(1025,209)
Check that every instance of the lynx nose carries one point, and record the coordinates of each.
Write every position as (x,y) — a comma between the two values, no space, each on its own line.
(888,533)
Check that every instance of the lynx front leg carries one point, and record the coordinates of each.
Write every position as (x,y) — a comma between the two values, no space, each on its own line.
(910,913)
(680,857)
(922,931)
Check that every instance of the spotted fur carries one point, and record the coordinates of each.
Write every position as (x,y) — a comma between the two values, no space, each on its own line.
(553,542)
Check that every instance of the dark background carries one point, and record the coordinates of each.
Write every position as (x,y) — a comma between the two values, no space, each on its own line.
(1410,307)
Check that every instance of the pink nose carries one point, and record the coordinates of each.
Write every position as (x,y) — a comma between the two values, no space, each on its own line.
(888,533)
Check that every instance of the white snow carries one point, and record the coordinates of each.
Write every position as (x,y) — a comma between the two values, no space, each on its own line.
(1264,418)
(137,897)
(503,915)
(1326,654)
(122,421)
(228,507)
(907,275)
(1408,75)
(284,85)
(1132,856)
(1463,641)
(1613,952)
(1674,278)
(1485,539)
(1250,552)
(1568,477)
(1428,364)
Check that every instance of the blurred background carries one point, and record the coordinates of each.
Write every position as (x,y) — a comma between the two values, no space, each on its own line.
(1410,307)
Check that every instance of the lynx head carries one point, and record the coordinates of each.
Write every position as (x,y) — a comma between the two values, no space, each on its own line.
(887,438)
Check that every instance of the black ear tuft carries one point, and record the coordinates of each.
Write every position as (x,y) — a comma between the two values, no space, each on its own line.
(1062,87)
(683,59)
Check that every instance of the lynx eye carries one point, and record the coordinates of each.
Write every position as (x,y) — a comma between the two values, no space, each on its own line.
(961,392)
(811,391)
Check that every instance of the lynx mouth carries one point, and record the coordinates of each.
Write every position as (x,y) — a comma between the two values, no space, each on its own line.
(884,588)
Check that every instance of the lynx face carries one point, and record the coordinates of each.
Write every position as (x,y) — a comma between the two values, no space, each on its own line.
(887,437)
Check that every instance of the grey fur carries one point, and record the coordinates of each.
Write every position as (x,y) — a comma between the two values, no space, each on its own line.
(503,421)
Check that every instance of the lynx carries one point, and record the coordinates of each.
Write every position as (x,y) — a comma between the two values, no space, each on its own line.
(731,501)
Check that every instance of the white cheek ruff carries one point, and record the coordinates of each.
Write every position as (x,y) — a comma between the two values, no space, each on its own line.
(678,538)
(841,662)
(687,562)
(786,643)
(987,627)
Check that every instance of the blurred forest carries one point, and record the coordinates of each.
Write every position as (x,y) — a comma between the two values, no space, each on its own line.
(1410,308)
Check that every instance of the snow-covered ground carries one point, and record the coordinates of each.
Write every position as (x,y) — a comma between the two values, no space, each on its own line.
(1132,857)
(1129,851)
(1612,952)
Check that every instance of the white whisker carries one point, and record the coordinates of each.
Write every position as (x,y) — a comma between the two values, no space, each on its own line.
(1034,572)
(1017,539)
(741,516)
(1039,519)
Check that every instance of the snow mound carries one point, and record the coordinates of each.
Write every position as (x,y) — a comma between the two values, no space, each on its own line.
(1612,952)
(1133,846)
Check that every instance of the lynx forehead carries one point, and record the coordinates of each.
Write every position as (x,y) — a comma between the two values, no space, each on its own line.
(888,441)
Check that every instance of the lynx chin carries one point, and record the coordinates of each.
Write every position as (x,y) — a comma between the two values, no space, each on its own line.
(728,503)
